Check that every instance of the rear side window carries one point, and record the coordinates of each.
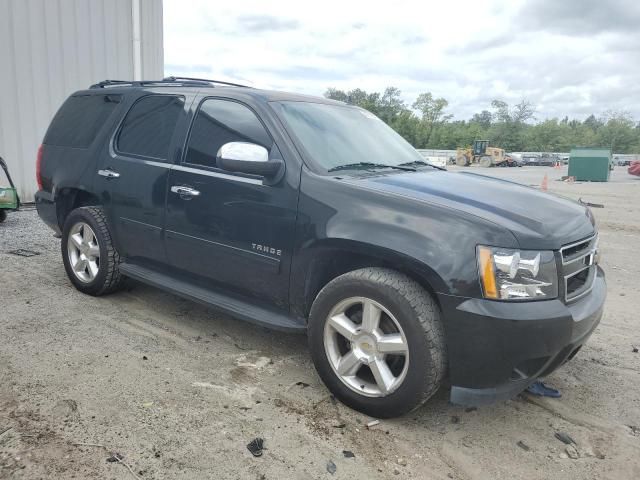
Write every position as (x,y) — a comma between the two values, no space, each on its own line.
(219,122)
(80,119)
(148,127)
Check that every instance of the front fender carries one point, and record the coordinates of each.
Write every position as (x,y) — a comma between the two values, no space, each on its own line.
(439,241)
(325,259)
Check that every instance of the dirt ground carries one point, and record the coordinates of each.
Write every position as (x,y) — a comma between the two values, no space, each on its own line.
(178,390)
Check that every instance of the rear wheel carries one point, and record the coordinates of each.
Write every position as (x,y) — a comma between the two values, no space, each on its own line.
(90,259)
(377,341)
(485,161)
(3,215)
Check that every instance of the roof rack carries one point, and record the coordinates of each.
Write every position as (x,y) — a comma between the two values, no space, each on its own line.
(184,81)
(220,82)
(109,83)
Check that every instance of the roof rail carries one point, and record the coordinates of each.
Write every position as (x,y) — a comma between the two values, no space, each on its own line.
(108,83)
(141,83)
(185,81)
(220,82)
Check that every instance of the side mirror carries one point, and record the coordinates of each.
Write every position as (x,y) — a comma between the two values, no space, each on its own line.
(244,157)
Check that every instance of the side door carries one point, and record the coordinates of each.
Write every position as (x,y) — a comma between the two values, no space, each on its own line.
(136,171)
(234,230)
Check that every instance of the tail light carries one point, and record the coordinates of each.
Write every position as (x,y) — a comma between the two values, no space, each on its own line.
(39,167)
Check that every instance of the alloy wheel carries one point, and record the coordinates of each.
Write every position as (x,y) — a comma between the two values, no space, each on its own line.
(83,252)
(366,347)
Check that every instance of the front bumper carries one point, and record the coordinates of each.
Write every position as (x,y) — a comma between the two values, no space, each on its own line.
(497,349)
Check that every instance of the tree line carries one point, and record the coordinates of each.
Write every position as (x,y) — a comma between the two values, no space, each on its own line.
(427,124)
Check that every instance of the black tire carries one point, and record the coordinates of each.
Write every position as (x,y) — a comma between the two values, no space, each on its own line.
(485,162)
(418,315)
(3,215)
(108,278)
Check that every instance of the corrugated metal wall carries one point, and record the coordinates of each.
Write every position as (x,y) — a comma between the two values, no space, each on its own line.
(51,48)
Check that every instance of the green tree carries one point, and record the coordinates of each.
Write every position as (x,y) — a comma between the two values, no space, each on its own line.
(432,114)
(549,136)
(336,94)
(618,132)
(357,96)
(510,127)
(408,125)
(391,105)
(523,112)
(508,130)
(593,123)
(483,118)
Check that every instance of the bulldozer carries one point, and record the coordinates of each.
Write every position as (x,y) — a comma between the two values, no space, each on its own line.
(480,153)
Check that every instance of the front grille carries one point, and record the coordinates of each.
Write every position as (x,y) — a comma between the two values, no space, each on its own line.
(571,251)
(578,267)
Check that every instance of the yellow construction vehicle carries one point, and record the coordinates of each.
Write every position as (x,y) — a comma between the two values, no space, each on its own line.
(482,154)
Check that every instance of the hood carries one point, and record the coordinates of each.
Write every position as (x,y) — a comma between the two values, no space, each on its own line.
(537,219)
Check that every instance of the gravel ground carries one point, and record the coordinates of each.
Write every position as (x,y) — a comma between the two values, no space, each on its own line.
(178,390)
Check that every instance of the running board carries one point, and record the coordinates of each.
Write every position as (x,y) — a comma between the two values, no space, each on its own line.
(232,305)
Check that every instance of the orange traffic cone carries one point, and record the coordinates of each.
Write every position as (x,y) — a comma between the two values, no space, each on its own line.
(545,183)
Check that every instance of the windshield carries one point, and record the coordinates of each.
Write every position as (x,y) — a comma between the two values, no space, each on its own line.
(336,135)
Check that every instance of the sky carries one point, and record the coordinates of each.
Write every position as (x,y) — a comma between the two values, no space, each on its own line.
(568,57)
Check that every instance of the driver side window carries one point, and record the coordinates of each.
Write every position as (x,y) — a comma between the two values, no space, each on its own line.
(222,121)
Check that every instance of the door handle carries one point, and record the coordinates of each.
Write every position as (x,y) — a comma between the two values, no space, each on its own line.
(185,192)
(108,173)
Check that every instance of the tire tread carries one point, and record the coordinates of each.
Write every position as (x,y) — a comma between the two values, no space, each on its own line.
(428,317)
(113,279)
(426,310)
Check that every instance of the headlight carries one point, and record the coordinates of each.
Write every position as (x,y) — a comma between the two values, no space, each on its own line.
(517,274)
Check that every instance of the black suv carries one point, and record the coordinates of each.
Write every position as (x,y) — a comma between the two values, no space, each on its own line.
(306,214)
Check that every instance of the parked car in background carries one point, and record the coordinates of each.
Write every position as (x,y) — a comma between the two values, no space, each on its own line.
(530,159)
(511,161)
(548,160)
(634,168)
(258,204)
(544,159)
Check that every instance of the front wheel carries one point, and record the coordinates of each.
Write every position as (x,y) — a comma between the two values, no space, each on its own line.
(3,215)
(377,341)
(462,161)
(89,257)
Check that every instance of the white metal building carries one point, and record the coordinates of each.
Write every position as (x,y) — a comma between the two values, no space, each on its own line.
(51,48)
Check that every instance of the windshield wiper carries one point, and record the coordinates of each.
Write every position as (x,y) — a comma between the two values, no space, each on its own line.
(365,165)
(417,163)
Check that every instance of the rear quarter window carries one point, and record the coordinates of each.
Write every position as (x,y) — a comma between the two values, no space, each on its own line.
(80,119)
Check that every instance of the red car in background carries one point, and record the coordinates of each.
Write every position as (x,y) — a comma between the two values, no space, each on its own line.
(634,168)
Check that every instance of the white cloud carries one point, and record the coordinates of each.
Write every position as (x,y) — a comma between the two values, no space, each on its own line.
(468,52)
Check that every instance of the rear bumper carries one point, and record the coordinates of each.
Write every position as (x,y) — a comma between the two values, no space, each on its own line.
(497,349)
(46,207)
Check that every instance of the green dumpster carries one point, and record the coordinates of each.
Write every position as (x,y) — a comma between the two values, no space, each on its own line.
(590,164)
